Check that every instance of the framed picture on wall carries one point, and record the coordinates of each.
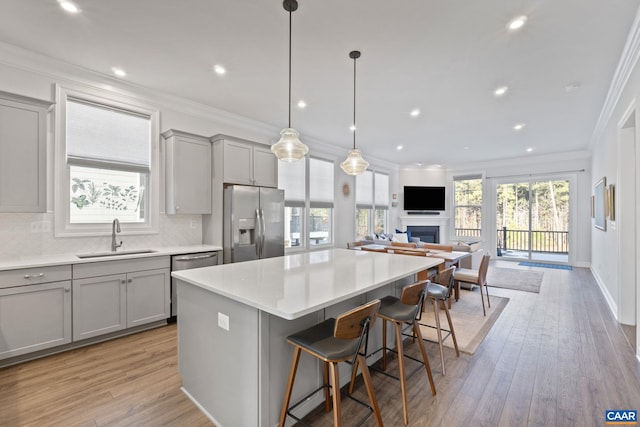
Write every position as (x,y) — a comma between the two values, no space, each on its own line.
(600,205)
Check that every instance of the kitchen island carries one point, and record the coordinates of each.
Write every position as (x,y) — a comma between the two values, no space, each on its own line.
(234,319)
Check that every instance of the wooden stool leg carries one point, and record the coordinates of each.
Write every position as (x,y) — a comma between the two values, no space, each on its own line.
(369,386)
(384,344)
(335,388)
(403,386)
(292,376)
(436,312)
(327,394)
(487,291)
(453,333)
(354,371)
(484,312)
(425,358)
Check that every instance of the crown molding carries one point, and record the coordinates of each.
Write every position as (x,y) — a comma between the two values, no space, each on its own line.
(628,60)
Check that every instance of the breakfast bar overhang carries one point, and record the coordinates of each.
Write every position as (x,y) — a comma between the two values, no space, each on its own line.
(233,321)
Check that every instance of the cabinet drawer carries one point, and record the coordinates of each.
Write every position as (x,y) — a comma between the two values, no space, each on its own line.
(34,276)
(103,268)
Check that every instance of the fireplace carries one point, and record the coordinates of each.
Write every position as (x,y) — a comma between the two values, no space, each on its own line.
(426,233)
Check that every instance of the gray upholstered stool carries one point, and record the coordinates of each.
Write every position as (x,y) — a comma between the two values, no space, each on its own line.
(400,311)
(439,293)
(334,341)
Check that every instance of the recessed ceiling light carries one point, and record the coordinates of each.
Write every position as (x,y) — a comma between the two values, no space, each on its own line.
(517,23)
(399,147)
(352,128)
(529,150)
(68,6)
(415,112)
(500,91)
(518,126)
(302,104)
(419,164)
(219,70)
(572,86)
(118,71)
(466,148)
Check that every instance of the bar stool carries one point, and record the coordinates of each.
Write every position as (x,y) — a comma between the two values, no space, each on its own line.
(439,293)
(400,311)
(334,341)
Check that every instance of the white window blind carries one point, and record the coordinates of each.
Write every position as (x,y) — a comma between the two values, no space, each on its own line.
(381,197)
(99,136)
(364,189)
(291,179)
(321,189)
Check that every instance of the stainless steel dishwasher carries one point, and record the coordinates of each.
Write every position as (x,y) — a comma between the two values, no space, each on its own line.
(186,262)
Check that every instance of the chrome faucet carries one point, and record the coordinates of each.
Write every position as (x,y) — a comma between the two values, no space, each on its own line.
(115,227)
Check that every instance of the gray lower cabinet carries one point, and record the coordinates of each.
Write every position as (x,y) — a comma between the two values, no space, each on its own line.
(35,312)
(114,295)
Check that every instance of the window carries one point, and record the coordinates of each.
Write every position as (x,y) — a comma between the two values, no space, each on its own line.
(468,205)
(308,187)
(321,192)
(106,156)
(291,177)
(372,204)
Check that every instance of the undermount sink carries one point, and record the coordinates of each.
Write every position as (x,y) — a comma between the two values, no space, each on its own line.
(115,254)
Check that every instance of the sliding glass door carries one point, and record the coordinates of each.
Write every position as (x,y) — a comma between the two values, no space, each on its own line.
(532,220)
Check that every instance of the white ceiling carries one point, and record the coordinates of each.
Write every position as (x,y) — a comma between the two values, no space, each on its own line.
(443,57)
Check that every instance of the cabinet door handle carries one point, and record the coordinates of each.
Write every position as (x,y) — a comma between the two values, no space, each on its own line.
(33,276)
(123,281)
(177,207)
(67,289)
(129,280)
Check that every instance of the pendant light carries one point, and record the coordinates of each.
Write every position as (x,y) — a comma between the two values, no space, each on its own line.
(354,164)
(289,148)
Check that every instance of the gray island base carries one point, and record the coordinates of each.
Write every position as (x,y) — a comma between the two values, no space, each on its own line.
(233,322)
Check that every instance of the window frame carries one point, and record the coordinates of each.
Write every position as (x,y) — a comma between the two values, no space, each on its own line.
(468,177)
(307,205)
(372,208)
(62,182)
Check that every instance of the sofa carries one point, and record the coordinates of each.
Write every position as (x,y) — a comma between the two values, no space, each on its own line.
(470,262)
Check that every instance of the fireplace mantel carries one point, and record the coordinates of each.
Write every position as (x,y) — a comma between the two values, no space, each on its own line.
(441,221)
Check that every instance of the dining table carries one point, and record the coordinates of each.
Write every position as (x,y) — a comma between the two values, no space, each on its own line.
(450,258)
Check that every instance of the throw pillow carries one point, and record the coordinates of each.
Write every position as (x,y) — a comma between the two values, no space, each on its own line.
(408,233)
(400,238)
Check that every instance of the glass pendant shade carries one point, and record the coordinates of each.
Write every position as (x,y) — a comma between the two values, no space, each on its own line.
(354,164)
(289,148)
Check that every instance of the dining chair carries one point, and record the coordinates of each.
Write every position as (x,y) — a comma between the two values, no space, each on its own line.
(404,245)
(477,277)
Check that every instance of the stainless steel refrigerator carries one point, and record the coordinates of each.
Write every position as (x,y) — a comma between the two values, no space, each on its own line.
(253,223)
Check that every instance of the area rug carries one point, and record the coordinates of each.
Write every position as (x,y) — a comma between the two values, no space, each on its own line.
(545,265)
(466,314)
(513,278)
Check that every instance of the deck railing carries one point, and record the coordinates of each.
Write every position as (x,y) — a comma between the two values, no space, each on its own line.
(518,240)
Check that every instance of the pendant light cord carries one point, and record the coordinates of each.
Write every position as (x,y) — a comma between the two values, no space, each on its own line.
(354,103)
(290,12)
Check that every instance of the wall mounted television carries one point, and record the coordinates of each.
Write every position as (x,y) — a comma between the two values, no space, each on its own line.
(424,198)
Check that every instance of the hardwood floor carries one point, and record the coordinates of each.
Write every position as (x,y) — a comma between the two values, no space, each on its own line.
(557,358)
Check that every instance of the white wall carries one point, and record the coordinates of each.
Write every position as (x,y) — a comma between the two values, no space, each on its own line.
(534,166)
(31,75)
(609,246)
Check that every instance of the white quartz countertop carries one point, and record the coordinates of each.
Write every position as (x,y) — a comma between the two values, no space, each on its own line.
(33,261)
(292,286)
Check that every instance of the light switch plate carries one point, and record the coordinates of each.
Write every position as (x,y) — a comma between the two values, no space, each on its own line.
(223,321)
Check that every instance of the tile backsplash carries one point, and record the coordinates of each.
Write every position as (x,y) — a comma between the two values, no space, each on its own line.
(30,234)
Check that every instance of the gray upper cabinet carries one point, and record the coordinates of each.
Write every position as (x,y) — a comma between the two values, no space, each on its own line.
(23,153)
(246,162)
(188,173)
